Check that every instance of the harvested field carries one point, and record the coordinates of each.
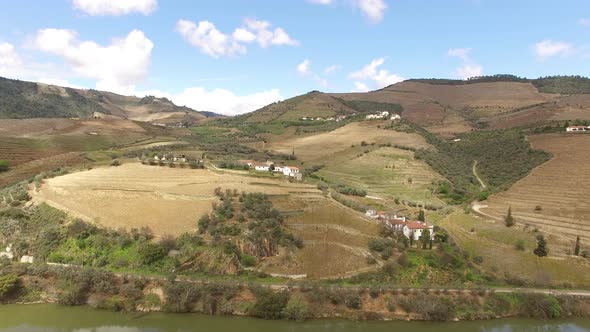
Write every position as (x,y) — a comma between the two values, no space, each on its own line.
(168,200)
(554,197)
(314,147)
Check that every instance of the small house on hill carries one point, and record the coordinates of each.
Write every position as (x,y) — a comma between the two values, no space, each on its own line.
(261,167)
(577,129)
(414,229)
(290,171)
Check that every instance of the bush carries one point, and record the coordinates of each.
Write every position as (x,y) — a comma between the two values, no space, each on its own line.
(541,306)
(270,305)
(150,253)
(8,285)
(3,165)
(248,261)
(439,308)
(296,309)
(353,301)
(115,162)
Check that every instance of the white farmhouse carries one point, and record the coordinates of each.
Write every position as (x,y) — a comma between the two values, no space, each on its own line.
(261,167)
(278,169)
(577,128)
(414,229)
(290,171)
(396,117)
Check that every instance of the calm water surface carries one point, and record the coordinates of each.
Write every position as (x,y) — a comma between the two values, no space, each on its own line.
(51,318)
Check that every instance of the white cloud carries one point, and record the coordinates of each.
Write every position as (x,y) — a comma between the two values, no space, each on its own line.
(331,69)
(58,82)
(360,87)
(469,68)
(585,22)
(116,67)
(208,39)
(10,62)
(462,53)
(322,2)
(115,7)
(303,68)
(8,55)
(549,48)
(373,9)
(211,41)
(220,100)
(380,77)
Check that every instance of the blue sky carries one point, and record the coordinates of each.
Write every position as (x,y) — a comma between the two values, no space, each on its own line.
(233,56)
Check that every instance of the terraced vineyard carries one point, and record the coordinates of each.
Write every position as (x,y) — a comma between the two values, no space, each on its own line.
(554,197)
(386,172)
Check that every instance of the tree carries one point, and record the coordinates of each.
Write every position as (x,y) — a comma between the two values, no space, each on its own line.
(541,249)
(425,238)
(3,165)
(577,248)
(421,216)
(509,220)
(8,284)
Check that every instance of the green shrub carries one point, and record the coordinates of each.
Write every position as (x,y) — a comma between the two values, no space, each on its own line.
(248,261)
(8,285)
(270,305)
(3,165)
(296,309)
(150,253)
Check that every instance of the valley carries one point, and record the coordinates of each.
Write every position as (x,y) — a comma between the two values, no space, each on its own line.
(416,199)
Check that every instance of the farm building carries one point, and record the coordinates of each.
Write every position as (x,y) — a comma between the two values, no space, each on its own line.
(414,229)
(577,129)
(396,117)
(290,171)
(246,162)
(380,115)
(261,167)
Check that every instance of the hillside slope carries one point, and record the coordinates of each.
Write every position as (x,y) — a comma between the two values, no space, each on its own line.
(25,100)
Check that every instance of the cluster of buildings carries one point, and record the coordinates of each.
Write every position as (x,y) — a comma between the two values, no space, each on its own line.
(171,157)
(383,115)
(577,129)
(336,118)
(270,166)
(411,229)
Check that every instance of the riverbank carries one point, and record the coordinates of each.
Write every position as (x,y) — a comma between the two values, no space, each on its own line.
(296,301)
(53,318)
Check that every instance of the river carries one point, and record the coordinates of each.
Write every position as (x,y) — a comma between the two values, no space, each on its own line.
(52,318)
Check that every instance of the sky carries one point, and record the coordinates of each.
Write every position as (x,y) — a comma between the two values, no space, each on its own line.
(235,56)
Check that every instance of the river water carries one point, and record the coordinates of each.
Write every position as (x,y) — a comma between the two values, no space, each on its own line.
(52,318)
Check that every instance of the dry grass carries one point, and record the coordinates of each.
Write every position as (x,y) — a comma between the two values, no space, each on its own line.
(560,188)
(168,200)
(494,242)
(321,146)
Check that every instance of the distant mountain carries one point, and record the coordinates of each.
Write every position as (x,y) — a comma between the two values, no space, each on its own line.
(21,100)
(449,107)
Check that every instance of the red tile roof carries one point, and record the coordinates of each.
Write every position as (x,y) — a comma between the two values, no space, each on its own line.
(417,225)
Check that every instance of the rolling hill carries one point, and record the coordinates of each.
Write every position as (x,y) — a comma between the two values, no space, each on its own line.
(448,107)
(23,100)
